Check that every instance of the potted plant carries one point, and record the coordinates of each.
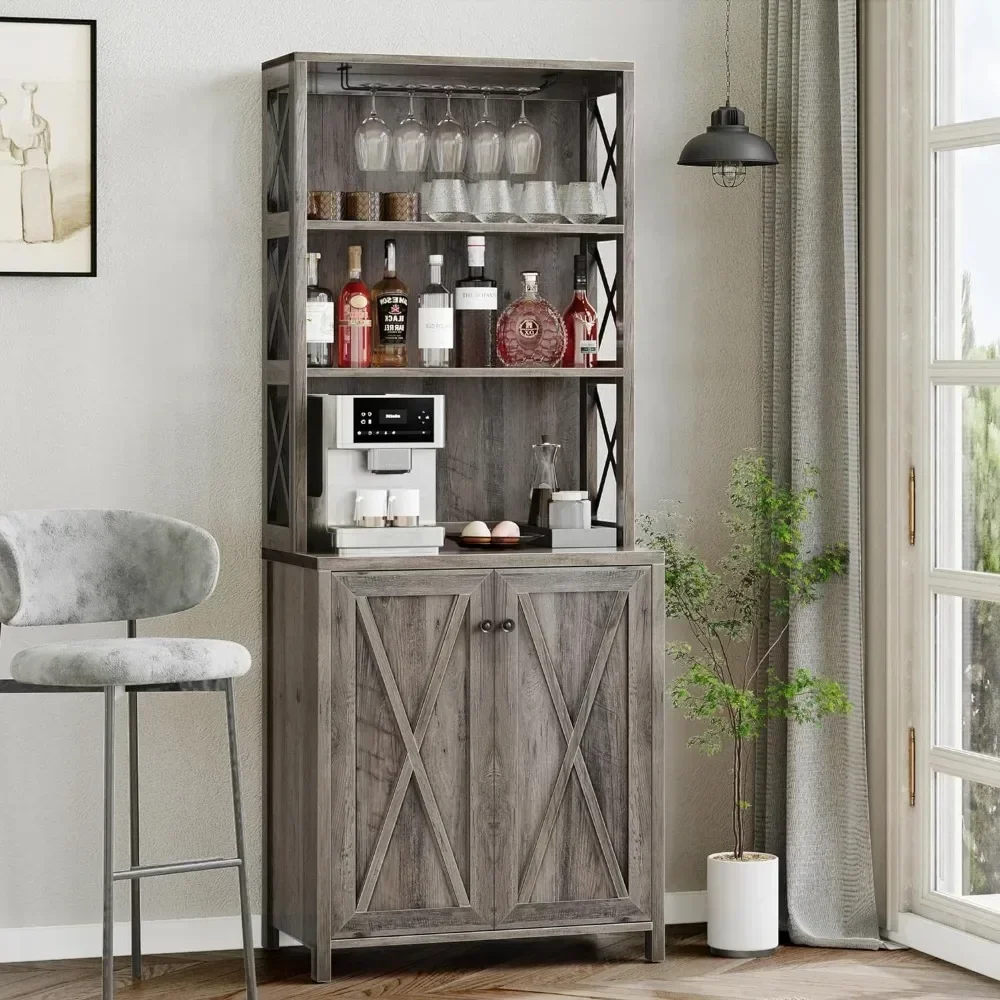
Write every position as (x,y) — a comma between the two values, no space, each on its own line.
(728,683)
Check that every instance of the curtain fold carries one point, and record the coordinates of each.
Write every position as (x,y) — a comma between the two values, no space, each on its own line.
(811,802)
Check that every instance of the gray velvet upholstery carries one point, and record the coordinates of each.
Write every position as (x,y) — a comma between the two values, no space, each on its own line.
(63,567)
(113,662)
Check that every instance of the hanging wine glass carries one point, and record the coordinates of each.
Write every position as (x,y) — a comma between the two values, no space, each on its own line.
(373,141)
(524,145)
(486,144)
(411,142)
(449,143)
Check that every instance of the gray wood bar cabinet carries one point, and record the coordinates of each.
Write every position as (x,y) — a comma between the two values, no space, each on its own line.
(464,746)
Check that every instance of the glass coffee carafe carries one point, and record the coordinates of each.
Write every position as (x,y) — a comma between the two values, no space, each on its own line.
(544,480)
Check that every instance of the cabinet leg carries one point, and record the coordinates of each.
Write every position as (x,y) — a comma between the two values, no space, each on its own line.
(322,963)
(656,944)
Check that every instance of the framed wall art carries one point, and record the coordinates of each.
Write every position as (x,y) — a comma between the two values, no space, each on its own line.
(48,162)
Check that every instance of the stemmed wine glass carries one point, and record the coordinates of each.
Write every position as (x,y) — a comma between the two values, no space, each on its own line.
(486,144)
(449,143)
(372,141)
(411,142)
(524,145)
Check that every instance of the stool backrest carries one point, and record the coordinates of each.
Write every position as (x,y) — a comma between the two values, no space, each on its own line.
(63,567)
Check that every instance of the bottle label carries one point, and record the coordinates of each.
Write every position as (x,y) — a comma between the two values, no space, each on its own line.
(435,328)
(475,298)
(587,347)
(319,322)
(391,310)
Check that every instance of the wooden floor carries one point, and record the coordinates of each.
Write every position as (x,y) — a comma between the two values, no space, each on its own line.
(601,969)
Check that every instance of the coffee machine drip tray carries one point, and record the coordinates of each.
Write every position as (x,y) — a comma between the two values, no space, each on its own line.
(421,540)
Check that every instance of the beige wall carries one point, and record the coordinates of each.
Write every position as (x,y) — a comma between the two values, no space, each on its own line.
(140,388)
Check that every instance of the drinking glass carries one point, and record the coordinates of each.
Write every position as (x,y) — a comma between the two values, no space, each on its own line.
(372,141)
(539,202)
(448,201)
(524,145)
(449,143)
(492,201)
(411,143)
(583,202)
(486,144)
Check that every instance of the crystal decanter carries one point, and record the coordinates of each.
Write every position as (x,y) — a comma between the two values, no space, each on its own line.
(530,333)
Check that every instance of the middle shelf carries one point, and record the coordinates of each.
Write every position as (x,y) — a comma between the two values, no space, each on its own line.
(278,373)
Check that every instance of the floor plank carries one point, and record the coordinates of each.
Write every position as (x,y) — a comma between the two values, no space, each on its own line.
(571,969)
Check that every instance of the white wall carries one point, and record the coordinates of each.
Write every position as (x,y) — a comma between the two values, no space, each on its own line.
(140,388)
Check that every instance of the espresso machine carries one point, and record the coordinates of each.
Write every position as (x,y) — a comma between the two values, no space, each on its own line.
(371,471)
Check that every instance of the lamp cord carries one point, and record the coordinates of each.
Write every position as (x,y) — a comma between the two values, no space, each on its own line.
(729,6)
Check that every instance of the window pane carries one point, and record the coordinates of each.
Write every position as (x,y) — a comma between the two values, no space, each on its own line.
(968,77)
(967,515)
(967,707)
(968,841)
(968,253)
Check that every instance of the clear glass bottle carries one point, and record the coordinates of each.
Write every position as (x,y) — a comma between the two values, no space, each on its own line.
(581,322)
(544,480)
(390,302)
(435,320)
(475,311)
(319,317)
(530,333)
(354,317)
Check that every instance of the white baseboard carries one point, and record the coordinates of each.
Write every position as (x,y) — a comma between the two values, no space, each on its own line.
(159,937)
(685,907)
(163,937)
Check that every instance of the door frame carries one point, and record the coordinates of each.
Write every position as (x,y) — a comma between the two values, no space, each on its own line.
(897,294)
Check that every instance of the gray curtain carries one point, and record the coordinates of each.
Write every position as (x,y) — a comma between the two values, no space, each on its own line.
(811,783)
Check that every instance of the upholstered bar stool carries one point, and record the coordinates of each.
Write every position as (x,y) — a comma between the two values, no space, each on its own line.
(65,567)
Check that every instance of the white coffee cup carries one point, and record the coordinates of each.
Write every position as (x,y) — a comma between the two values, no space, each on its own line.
(370,508)
(404,508)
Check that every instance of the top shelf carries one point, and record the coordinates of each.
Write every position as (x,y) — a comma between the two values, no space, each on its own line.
(277,225)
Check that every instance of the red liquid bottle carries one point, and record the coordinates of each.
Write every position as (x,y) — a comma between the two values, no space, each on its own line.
(581,322)
(354,317)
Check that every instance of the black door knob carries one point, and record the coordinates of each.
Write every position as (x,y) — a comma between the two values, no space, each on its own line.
(486,625)
(507,625)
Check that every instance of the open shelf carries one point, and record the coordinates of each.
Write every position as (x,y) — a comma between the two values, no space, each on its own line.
(321,374)
(277,226)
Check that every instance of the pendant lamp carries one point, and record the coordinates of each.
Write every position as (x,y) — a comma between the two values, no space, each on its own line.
(727,145)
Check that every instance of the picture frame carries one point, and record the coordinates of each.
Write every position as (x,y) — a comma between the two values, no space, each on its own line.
(48,147)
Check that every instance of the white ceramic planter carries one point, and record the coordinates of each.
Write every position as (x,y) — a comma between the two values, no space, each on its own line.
(742,905)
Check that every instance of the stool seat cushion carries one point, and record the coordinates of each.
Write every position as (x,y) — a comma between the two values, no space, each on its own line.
(114,662)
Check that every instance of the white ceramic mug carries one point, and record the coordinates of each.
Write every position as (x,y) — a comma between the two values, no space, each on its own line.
(404,508)
(370,508)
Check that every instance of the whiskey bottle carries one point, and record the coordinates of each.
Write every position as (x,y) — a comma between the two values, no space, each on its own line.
(390,301)
(475,311)
(435,320)
(354,317)
(581,322)
(319,317)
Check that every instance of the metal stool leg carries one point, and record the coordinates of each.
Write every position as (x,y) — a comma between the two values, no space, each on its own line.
(133,808)
(108,944)
(234,764)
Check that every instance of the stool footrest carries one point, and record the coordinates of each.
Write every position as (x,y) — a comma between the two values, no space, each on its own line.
(176,868)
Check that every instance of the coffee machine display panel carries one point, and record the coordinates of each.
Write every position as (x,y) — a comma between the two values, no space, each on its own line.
(389,421)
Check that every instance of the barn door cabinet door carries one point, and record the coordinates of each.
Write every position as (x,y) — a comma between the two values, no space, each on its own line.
(574,692)
(411,734)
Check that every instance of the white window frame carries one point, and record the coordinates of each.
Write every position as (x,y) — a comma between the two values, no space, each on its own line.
(899,142)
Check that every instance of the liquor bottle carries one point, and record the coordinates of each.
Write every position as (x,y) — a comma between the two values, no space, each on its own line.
(530,333)
(390,301)
(354,317)
(319,317)
(581,322)
(475,311)
(435,320)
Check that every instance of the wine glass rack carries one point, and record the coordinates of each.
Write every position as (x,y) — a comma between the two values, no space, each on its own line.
(311,105)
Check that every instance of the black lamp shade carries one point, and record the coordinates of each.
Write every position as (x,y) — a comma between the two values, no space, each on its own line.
(727,140)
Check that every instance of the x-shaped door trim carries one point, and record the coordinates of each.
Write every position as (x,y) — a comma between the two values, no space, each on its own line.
(573,757)
(413,739)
